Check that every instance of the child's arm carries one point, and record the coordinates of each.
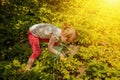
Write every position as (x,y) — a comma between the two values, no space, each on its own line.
(50,45)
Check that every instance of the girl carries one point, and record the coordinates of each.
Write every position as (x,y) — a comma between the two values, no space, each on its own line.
(51,34)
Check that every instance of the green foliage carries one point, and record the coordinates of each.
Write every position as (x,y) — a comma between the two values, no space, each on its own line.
(100,70)
(97,48)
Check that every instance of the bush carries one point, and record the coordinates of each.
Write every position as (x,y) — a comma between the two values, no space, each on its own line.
(94,55)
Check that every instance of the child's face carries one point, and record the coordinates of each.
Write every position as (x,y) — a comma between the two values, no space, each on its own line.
(63,38)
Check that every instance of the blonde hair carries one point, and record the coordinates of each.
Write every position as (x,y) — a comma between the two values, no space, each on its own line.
(69,32)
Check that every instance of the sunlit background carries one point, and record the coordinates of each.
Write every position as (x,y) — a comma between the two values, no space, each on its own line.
(111,2)
(105,12)
(101,17)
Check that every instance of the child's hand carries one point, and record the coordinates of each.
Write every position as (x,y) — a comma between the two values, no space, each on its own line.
(61,55)
(62,58)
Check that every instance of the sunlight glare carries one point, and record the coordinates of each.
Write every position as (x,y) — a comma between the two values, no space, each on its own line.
(112,2)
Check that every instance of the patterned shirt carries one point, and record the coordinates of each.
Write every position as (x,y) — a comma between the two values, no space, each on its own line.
(44,30)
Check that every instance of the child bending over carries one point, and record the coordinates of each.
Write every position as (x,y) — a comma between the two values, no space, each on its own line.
(51,34)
